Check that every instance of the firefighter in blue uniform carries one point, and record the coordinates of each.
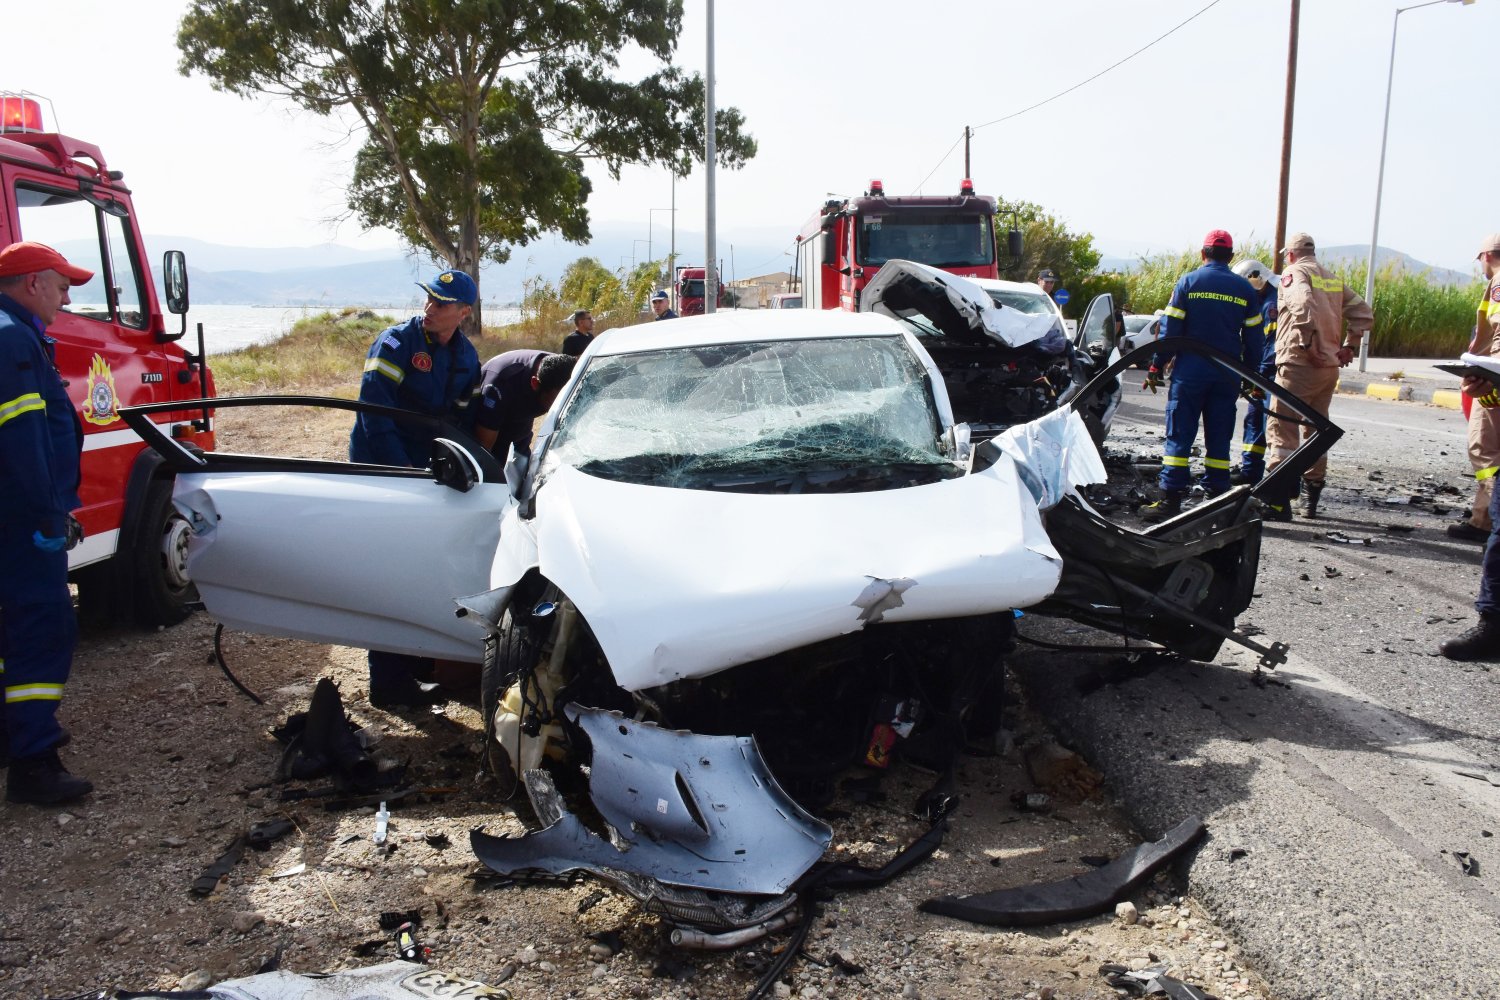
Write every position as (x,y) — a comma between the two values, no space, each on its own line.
(1253,431)
(425,365)
(1218,307)
(41,440)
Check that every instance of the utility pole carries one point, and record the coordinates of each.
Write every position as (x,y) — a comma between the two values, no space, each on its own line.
(710,252)
(1286,135)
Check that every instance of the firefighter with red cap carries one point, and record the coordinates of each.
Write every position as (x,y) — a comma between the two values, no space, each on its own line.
(1313,306)
(1219,308)
(41,441)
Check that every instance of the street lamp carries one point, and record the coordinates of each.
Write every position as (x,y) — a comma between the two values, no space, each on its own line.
(1385,128)
(633,245)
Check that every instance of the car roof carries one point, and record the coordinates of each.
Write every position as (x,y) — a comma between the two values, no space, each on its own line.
(738,326)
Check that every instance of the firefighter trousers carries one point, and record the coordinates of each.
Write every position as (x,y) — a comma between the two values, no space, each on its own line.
(1488,601)
(37,633)
(1484,455)
(1284,435)
(1188,404)
(1253,440)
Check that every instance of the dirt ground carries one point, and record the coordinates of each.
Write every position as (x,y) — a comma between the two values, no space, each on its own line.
(97,893)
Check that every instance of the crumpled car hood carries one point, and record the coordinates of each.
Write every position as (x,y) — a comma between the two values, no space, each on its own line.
(680,583)
(954,304)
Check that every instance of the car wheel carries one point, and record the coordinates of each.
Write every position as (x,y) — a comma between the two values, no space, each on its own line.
(163,593)
(515,649)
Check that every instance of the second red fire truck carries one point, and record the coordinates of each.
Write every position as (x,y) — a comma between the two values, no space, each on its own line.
(847,240)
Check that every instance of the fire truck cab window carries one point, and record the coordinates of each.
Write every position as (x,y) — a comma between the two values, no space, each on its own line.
(941,239)
(65,221)
(692,288)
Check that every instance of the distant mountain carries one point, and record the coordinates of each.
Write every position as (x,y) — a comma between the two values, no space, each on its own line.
(332,275)
(1385,255)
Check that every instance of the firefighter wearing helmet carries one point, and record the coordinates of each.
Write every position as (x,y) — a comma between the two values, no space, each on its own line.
(1221,309)
(1253,433)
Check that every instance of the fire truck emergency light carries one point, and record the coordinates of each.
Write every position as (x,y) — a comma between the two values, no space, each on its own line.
(966,187)
(876,188)
(19,114)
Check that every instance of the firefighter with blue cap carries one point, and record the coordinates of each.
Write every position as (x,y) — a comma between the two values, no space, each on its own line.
(1219,308)
(1253,431)
(425,365)
(41,441)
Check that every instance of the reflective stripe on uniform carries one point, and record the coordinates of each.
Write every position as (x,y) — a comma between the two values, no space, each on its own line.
(1176,460)
(1323,284)
(1253,320)
(1253,449)
(385,368)
(33,692)
(1215,463)
(21,404)
(1174,312)
(1480,475)
(1270,326)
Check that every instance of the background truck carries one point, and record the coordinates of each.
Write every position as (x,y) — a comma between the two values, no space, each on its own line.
(689,283)
(113,349)
(846,241)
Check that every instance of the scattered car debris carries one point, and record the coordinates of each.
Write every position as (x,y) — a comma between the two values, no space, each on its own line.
(1467,862)
(206,883)
(1072,898)
(1152,981)
(389,981)
(322,741)
(1343,539)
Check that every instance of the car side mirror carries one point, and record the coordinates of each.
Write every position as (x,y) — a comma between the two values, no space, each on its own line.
(453,466)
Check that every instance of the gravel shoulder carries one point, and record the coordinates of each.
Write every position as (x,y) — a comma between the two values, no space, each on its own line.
(97,894)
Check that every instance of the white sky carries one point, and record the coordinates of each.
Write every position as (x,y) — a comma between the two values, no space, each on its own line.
(1182,139)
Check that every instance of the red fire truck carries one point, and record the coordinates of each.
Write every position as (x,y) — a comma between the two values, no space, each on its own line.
(844,243)
(113,349)
(690,282)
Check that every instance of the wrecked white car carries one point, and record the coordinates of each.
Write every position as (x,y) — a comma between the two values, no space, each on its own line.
(747,551)
(1001,345)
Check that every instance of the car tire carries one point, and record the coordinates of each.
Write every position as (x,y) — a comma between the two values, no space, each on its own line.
(516,648)
(163,593)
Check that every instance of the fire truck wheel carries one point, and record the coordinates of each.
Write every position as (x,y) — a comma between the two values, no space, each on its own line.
(162,588)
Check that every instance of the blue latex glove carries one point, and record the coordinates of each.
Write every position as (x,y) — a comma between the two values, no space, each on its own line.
(46,544)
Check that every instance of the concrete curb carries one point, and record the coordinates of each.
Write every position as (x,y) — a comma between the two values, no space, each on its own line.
(1381,390)
(1451,398)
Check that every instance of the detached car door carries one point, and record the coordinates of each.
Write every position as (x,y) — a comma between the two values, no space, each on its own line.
(328,551)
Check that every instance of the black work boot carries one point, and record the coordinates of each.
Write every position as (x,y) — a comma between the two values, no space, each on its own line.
(1313,491)
(42,780)
(1482,642)
(1169,506)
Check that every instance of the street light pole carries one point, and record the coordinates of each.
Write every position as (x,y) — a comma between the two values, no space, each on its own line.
(711,247)
(1385,129)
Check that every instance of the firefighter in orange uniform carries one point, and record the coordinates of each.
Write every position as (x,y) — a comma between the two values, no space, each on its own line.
(1484,421)
(1313,306)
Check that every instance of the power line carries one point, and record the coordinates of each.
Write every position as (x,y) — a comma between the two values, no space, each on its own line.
(945,157)
(1097,75)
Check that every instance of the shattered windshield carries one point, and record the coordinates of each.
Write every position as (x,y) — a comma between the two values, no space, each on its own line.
(827,415)
(1026,302)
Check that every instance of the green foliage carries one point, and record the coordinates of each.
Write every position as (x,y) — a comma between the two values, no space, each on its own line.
(323,350)
(1048,243)
(324,354)
(478,115)
(1414,316)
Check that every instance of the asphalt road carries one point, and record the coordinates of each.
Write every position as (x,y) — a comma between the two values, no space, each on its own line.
(1338,796)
